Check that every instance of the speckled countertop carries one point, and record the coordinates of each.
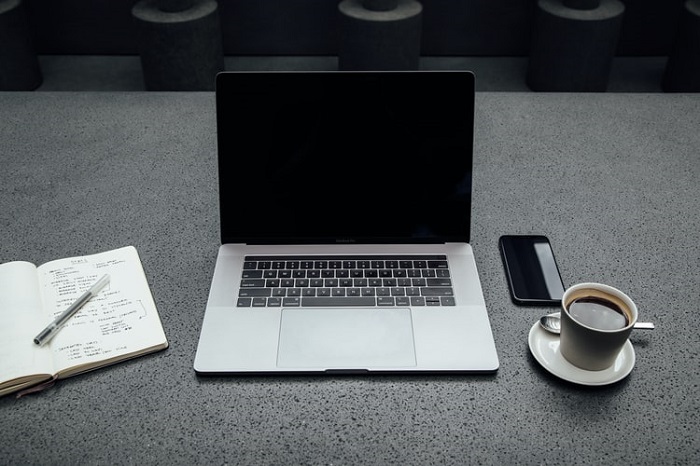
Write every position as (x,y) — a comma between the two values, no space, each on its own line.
(612,179)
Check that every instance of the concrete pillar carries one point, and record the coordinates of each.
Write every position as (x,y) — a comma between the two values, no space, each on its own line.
(19,64)
(682,72)
(573,44)
(380,34)
(180,44)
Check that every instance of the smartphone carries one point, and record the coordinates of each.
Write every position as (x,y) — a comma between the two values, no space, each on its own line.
(531,269)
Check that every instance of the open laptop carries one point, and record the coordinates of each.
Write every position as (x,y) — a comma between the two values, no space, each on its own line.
(345,205)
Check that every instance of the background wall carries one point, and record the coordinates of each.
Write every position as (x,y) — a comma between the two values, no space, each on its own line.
(308,27)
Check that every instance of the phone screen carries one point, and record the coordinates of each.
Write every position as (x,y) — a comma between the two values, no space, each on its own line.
(532,272)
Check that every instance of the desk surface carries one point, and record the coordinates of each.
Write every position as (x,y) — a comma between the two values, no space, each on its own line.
(613,180)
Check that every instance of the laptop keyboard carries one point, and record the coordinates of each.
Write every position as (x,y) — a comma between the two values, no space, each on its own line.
(293,281)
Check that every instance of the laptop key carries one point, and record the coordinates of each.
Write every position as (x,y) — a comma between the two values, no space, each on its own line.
(385,301)
(274,302)
(253,283)
(412,291)
(436,291)
(291,302)
(437,264)
(403,301)
(383,291)
(339,301)
(254,292)
(439,282)
(244,302)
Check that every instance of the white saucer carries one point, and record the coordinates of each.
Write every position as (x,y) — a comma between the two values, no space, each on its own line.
(545,348)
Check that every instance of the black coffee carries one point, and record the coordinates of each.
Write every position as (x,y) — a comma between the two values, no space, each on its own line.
(598,313)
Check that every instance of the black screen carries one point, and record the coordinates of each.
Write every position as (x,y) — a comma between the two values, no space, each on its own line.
(308,157)
(532,270)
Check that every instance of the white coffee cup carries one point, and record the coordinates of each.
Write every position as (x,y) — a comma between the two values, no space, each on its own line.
(596,321)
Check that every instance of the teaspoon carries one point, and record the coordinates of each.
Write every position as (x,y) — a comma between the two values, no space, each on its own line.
(552,323)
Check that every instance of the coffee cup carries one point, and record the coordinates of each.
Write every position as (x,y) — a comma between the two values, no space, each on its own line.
(596,321)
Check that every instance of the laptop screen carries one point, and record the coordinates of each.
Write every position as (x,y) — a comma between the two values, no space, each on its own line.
(345,157)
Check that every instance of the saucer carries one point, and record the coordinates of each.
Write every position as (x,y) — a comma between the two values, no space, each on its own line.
(545,348)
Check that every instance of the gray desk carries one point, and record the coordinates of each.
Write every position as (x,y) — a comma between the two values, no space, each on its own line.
(613,180)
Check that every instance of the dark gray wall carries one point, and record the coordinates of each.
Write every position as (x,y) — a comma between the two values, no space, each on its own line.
(308,27)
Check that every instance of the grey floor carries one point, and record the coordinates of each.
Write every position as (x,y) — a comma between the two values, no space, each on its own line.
(123,73)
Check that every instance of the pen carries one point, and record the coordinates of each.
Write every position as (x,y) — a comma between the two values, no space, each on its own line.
(53,328)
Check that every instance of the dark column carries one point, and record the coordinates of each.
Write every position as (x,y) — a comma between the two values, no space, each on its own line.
(179,43)
(19,65)
(573,44)
(380,34)
(682,72)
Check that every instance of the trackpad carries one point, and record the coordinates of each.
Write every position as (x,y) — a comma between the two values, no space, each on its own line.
(322,338)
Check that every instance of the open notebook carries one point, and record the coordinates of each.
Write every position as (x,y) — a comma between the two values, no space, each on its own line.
(345,205)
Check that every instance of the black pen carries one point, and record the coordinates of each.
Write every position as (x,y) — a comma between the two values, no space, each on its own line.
(53,328)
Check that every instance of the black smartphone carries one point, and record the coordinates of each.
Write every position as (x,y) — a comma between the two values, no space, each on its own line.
(531,269)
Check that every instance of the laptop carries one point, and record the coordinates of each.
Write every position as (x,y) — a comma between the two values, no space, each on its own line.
(345,214)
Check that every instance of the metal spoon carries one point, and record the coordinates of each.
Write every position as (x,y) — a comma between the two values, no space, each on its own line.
(552,323)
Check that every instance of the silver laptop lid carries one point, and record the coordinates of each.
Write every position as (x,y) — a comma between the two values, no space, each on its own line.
(345,157)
